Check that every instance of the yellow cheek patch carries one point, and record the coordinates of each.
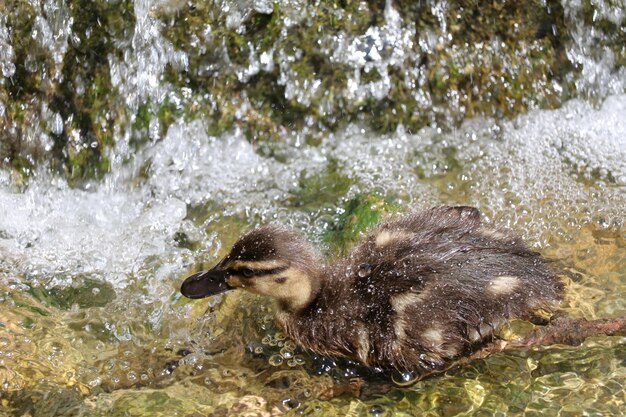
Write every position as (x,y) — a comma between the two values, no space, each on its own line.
(291,286)
(234,281)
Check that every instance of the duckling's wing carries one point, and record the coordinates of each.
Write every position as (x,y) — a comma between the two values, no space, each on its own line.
(438,220)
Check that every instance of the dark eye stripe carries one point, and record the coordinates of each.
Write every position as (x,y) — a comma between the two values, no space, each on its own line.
(252,272)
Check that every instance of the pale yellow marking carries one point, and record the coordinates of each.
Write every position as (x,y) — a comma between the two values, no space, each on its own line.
(234,281)
(434,339)
(282,317)
(503,285)
(388,236)
(399,326)
(362,343)
(483,331)
(295,291)
(400,303)
(493,233)
(433,336)
(271,264)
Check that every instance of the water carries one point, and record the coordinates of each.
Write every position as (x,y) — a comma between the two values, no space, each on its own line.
(92,322)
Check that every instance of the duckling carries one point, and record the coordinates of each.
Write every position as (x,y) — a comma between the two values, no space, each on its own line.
(415,294)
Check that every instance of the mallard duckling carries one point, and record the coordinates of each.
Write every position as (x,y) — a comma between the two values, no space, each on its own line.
(415,294)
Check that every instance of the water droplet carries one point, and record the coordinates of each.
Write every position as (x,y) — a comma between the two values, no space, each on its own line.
(286,353)
(95,382)
(404,379)
(364,270)
(276,360)
(376,410)
(57,124)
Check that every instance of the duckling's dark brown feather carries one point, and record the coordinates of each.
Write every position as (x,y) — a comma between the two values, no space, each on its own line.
(417,292)
(424,293)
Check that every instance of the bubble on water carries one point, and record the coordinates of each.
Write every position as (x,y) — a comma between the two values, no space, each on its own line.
(95,382)
(404,379)
(276,360)
(286,353)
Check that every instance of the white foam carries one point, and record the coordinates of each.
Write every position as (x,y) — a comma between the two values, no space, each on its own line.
(524,173)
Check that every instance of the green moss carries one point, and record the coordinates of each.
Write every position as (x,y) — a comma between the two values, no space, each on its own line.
(361,212)
(318,190)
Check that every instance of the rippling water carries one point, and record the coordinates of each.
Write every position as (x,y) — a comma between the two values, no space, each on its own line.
(91,321)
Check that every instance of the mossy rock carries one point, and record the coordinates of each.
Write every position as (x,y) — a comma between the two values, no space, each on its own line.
(499,59)
(466,59)
(71,102)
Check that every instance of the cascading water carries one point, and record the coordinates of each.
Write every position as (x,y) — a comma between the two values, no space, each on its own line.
(92,322)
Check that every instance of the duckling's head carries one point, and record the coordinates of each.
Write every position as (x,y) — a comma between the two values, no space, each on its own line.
(270,260)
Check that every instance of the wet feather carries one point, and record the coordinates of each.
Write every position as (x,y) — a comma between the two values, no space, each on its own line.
(416,293)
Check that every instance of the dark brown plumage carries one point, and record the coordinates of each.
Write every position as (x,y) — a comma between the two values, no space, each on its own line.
(415,294)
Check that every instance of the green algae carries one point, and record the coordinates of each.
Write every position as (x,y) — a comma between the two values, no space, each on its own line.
(359,214)
(486,68)
(320,189)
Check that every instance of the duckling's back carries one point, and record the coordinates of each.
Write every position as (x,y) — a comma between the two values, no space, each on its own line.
(424,289)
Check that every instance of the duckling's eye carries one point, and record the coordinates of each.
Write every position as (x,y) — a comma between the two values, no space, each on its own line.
(246,272)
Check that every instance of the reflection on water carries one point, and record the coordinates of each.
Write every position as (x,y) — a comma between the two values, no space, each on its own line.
(92,320)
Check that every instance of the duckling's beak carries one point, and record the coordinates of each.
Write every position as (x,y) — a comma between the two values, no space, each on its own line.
(205,283)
